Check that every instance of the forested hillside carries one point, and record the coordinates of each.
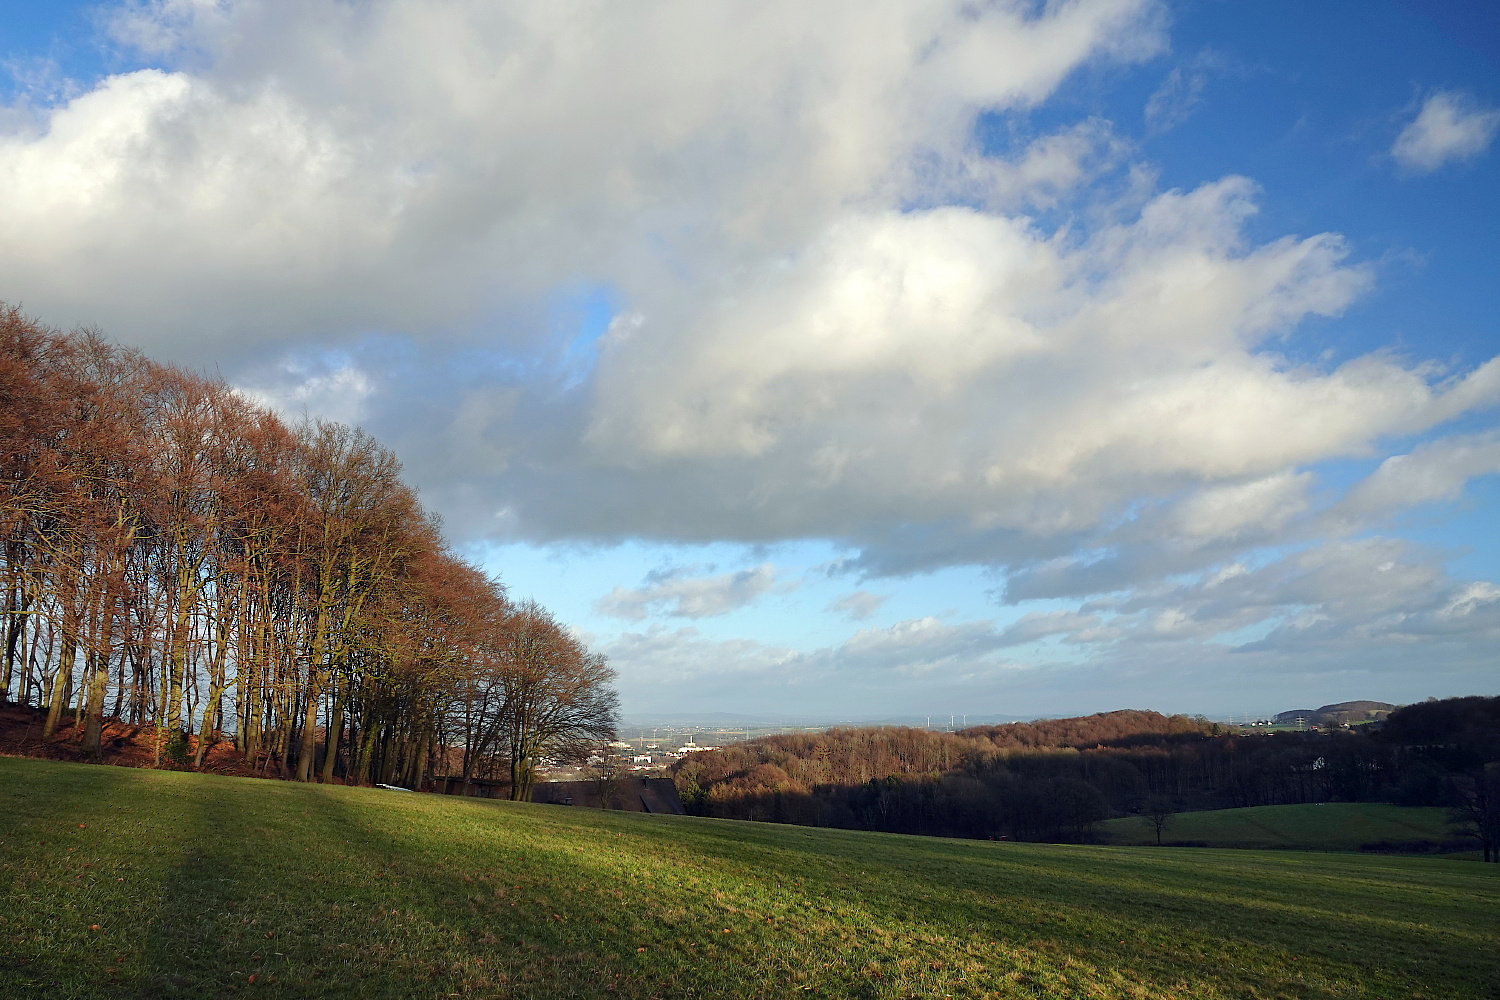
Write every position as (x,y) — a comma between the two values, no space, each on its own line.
(1126,725)
(1053,780)
(175,557)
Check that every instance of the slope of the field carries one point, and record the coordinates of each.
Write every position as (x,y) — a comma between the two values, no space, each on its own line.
(134,883)
(1332,826)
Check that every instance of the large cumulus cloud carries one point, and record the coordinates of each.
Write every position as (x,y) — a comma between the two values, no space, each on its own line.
(286,167)
(815,305)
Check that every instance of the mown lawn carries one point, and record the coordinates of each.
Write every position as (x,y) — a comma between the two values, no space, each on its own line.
(133,883)
(1333,826)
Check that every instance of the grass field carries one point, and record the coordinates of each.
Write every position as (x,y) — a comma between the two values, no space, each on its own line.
(134,883)
(1334,826)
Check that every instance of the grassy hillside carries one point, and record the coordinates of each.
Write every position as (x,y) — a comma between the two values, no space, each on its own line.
(1333,826)
(132,883)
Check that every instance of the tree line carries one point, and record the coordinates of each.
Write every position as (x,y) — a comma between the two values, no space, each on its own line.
(177,558)
(1053,780)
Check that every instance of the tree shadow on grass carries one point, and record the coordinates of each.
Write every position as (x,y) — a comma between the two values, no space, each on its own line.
(325,892)
(158,927)
(342,909)
(466,929)
(92,904)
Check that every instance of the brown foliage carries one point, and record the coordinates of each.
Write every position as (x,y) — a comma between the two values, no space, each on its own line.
(175,559)
(1105,728)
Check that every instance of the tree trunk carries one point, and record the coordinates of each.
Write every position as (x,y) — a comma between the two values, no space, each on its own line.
(335,734)
(308,749)
(98,690)
(61,682)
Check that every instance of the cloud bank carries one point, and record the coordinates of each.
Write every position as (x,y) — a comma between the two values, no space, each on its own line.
(752,273)
(678,594)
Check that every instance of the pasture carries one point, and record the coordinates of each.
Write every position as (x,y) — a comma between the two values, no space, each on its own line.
(1331,826)
(133,883)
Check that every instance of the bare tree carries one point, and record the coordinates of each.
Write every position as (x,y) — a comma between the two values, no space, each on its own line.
(607,777)
(1476,807)
(1158,814)
(559,699)
(172,552)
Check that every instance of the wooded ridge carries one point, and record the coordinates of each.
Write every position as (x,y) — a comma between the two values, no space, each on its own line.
(1054,779)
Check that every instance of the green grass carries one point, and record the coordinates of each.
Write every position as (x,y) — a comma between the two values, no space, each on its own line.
(132,883)
(1334,826)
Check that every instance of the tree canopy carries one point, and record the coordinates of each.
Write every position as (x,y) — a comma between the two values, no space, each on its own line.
(175,556)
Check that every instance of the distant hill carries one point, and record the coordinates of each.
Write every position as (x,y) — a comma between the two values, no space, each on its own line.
(1343,712)
(1123,726)
(1292,715)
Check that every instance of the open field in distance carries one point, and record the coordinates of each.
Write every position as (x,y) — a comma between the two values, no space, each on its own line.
(1330,826)
(135,883)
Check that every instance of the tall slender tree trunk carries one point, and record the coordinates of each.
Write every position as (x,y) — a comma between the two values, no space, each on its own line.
(98,690)
(307,752)
(62,681)
(14,625)
(335,734)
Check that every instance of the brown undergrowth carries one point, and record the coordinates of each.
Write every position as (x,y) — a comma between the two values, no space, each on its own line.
(122,744)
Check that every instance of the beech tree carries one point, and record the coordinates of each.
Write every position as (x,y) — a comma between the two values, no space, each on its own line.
(175,558)
(559,702)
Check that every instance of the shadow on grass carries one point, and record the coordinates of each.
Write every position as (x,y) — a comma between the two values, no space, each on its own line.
(470,929)
(1225,913)
(179,956)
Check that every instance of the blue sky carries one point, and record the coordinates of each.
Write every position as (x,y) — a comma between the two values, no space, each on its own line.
(907,358)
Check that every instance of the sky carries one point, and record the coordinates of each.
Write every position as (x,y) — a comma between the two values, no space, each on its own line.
(841,361)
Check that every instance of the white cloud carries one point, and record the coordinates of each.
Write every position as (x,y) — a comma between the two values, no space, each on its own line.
(1073,626)
(917,646)
(857,606)
(839,317)
(678,594)
(1172,102)
(960,368)
(304,166)
(1352,596)
(1451,127)
(813,342)
(665,657)
(1338,618)
(1180,93)
(1354,599)
(1260,505)
(920,664)
(1470,600)
(1434,471)
(297,389)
